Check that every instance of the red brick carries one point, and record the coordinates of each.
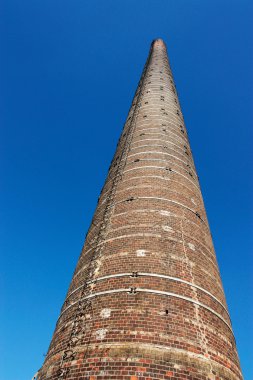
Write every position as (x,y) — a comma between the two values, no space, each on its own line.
(150,222)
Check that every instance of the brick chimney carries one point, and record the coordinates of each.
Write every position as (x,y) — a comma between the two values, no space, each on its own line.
(146,299)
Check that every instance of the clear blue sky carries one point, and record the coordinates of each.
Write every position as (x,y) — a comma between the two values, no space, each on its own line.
(68,73)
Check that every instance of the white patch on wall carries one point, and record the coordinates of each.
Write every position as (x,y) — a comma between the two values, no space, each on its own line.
(105,313)
(101,334)
(193,201)
(165,213)
(191,246)
(141,252)
(97,269)
(167,228)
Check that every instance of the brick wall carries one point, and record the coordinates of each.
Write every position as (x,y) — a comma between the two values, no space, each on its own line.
(146,299)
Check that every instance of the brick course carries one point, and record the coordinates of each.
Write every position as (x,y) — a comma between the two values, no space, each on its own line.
(146,300)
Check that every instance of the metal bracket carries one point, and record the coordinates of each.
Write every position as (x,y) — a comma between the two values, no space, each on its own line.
(132,291)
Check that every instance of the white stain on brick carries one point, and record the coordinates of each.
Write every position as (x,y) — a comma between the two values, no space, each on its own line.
(193,201)
(191,246)
(105,313)
(97,269)
(141,252)
(165,213)
(167,228)
(101,334)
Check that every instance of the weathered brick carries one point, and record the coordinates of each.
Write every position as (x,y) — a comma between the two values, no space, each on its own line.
(146,300)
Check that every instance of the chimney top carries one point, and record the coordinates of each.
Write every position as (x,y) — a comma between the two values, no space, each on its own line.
(159,42)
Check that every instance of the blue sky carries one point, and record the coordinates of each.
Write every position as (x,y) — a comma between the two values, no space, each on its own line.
(68,73)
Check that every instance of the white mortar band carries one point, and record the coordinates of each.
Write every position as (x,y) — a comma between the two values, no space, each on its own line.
(160,167)
(159,159)
(177,158)
(148,291)
(156,198)
(167,142)
(104,194)
(166,179)
(166,200)
(149,235)
(170,128)
(160,199)
(139,274)
(168,132)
